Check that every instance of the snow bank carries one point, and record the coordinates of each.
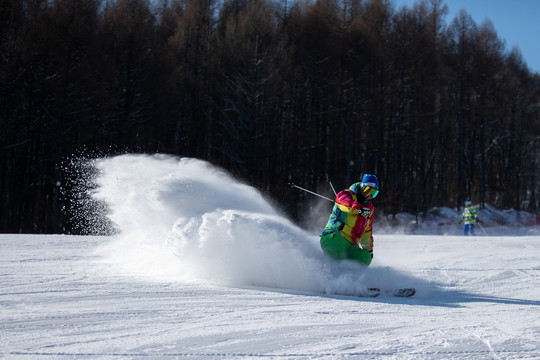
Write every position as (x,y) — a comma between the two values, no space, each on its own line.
(445,221)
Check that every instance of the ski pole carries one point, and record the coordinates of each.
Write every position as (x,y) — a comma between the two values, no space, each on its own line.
(359,211)
(311,192)
(332,186)
(481,227)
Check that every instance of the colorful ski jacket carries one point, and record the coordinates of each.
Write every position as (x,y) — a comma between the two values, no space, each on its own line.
(352,219)
(469,215)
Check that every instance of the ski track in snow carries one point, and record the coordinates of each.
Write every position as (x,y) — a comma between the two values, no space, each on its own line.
(205,268)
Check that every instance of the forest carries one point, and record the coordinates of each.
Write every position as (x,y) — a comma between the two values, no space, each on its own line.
(274,92)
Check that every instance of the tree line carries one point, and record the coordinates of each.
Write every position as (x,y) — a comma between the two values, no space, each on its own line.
(274,91)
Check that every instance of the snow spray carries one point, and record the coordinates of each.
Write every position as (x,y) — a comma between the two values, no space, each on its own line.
(182,219)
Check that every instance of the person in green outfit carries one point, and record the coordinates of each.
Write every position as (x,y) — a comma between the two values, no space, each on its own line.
(348,233)
(469,218)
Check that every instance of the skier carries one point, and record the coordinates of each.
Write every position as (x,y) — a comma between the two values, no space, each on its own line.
(348,233)
(469,218)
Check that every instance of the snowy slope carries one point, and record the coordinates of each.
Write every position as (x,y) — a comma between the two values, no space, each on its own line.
(205,268)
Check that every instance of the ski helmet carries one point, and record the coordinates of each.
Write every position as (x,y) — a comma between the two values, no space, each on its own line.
(468,203)
(370,185)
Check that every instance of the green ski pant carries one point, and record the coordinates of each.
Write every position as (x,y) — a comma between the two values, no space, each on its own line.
(339,248)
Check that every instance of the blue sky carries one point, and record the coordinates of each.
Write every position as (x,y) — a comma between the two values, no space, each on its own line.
(517,22)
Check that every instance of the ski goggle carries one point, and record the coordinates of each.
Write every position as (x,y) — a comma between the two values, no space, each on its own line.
(368,190)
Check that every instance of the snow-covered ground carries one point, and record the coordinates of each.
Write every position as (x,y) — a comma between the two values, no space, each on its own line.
(205,268)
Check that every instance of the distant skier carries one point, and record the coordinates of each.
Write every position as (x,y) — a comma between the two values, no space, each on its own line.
(348,233)
(469,218)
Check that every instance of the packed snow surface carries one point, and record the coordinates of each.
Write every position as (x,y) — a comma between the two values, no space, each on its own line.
(204,267)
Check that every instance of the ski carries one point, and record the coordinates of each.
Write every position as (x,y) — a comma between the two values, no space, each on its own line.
(371,292)
(401,292)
